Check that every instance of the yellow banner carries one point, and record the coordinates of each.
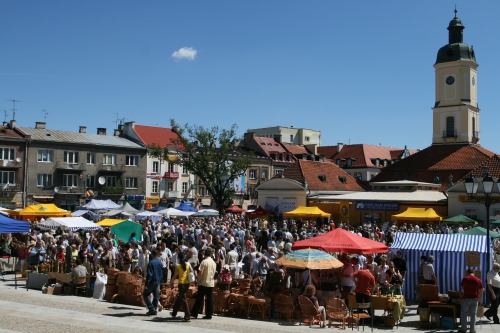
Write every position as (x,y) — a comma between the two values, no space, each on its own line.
(465,198)
(152,200)
(344,210)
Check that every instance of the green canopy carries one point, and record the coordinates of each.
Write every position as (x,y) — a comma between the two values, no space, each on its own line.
(495,222)
(459,219)
(480,231)
(125,228)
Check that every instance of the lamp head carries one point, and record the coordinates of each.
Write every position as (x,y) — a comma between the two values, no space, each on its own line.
(471,184)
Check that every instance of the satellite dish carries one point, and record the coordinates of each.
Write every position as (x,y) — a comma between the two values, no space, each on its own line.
(102,180)
(18,159)
(5,187)
(56,189)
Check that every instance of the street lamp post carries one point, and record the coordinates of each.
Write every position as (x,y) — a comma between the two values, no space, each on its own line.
(471,187)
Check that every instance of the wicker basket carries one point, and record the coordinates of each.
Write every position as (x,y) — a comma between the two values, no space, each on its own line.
(123,278)
(110,292)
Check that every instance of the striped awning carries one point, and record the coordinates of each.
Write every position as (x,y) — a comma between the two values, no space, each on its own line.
(439,242)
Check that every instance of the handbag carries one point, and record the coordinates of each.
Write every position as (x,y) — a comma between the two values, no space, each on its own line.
(192,278)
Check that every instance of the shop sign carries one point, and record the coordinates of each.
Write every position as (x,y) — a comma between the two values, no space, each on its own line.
(377,205)
(152,200)
(280,206)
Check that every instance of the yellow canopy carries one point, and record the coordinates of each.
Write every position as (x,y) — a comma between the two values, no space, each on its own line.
(306,211)
(110,222)
(40,210)
(418,214)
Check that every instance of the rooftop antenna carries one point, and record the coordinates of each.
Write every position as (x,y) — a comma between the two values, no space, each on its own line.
(118,120)
(14,101)
(45,114)
(455,11)
(5,113)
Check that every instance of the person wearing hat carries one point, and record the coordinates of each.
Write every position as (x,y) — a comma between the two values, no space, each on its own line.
(37,254)
(493,284)
(428,271)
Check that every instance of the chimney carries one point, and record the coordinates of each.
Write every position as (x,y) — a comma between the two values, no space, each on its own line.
(5,123)
(121,127)
(277,138)
(12,124)
(340,145)
(82,129)
(248,136)
(39,125)
(101,131)
(321,158)
(117,132)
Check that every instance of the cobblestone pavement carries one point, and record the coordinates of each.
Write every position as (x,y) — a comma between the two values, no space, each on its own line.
(32,311)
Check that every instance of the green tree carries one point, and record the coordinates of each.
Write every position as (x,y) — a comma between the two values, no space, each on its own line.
(214,155)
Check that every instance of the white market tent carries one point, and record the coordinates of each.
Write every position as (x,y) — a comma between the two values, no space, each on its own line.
(80,212)
(71,223)
(147,214)
(174,212)
(208,210)
(126,209)
(101,205)
(449,253)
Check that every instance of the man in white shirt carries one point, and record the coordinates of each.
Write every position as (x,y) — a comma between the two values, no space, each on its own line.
(228,240)
(271,243)
(165,256)
(255,263)
(232,260)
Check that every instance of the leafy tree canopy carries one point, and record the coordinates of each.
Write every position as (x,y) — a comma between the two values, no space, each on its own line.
(212,154)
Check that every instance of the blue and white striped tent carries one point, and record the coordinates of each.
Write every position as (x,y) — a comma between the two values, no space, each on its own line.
(449,253)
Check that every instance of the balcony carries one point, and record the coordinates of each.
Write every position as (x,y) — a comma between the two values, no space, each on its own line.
(70,166)
(450,134)
(171,175)
(171,194)
(112,168)
(69,189)
(9,164)
(11,187)
(112,190)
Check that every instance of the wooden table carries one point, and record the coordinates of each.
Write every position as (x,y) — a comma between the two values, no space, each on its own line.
(441,305)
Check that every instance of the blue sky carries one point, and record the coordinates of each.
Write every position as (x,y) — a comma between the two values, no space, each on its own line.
(359,71)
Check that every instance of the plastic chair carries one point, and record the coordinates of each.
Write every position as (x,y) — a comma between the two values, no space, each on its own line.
(309,311)
(81,283)
(336,309)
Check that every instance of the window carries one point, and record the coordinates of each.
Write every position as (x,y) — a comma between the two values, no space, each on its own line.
(45,156)
(450,127)
(291,138)
(70,180)
(184,187)
(131,160)
(184,170)
(90,158)
(170,167)
(322,178)
(472,213)
(339,162)
(90,181)
(264,174)
(131,182)
(349,162)
(71,157)
(154,187)
(156,166)
(306,138)
(170,186)
(110,181)
(201,191)
(44,179)
(252,173)
(358,176)
(7,154)
(8,177)
(109,159)
(278,171)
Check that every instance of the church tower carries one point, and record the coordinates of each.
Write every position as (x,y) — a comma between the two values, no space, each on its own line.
(456,112)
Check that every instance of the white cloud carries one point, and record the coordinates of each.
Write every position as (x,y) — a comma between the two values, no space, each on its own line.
(185,53)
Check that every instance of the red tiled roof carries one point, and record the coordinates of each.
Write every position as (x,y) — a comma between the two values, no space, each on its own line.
(331,172)
(493,165)
(363,153)
(6,132)
(436,163)
(327,151)
(296,149)
(159,135)
(269,145)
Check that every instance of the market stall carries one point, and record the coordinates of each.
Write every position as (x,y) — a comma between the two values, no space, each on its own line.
(418,214)
(8,225)
(303,211)
(452,253)
(340,240)
(122,228)
(38,211)
(234,210)
(69,223)
(168,212)
(259,212)
(95,204)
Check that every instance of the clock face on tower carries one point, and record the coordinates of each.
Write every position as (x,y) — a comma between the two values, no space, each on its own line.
(450,80)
